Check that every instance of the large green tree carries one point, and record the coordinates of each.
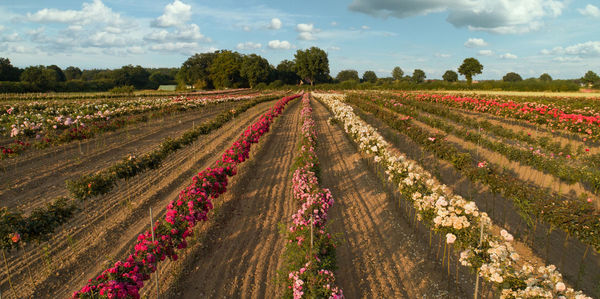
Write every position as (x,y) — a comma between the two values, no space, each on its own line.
(59,73)
(43,77)
(450,76)
(286,72)
(418,76)
(346,75)
(397,73)
(136,76)
(469,68)
(7,71)
(545,77)
(590,78)
(225,70)
(255,69)
(72,73)
(312,64)
(512,77)
(369,76)
(196,71)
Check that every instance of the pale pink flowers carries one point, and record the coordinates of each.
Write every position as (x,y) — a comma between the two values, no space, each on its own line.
(482,164)
(432,139)
(10,110)
(450,238)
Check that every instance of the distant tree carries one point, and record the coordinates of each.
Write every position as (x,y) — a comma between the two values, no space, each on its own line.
(196,71)
(512,77)
(397,73)
(369,76)
(59,73)
(255,69)
(225,70)
(159,78)
(72,73)
(131,75)
(312,64)
(418,76)
(7,71)
(41,76)
(286,72)
(590,78)
(450,76)
(469,68)
(545,77)
(346,75)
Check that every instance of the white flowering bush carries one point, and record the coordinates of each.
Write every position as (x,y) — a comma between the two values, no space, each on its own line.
(493,257)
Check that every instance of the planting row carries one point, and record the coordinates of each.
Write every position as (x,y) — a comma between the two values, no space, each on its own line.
(126,278)
(41,124)
(577,217)
(465,227)
(310,249)
(40,227)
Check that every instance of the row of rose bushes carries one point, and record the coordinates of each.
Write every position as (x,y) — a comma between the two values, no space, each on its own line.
(127,277)
(465,227)
(38,226)
(17,230)
(577,217)
(558,167)
(310,250)
(103,181)
(554,118)
(41,125)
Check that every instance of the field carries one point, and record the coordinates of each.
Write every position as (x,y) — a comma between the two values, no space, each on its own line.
(327,194)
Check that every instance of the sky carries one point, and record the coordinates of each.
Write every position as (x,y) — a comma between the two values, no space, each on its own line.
(530,37)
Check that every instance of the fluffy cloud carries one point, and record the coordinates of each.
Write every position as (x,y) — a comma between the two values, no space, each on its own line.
(277,44)
(181,48)
(442,55)
(248,46)
(175,14)
(587,49)
(365,27)
(275,24)
(508,56)
(503,17)
(334,48)
(94,12)
(306,31)
(475,42)
(590,11)
(486,52)
(185,34)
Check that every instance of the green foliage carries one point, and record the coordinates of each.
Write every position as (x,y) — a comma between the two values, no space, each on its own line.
(397,73)
(369,76)
(72,73)
(545,77)
(196,70)
(469,68)
(591,78)
(131,75)
(286,72)
(127,89)
(60,76)
(418,76)
(512,77)
(225,70)
(312,65)
(450,76)
(160,78)
(255,69)
(42,77)
(346,75)
(7,71)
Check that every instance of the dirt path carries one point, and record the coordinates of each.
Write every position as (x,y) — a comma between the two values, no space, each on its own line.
(39,178)
(107,228)
(380,256)
(242,251)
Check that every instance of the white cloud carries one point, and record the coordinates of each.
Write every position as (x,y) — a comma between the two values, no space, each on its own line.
(135,50)
(247,28)
(590,11)
(248,46)
(508,56)
(175,14)
(486,52)
(188,33)
(503,17)
(334,48)
(365,27)
(334,23)
(442,55)
(587,49)
(475,42)
(94,12)
(277,44)
(567,59)
(106,39)
(306,31)
(275,24)
(180,47)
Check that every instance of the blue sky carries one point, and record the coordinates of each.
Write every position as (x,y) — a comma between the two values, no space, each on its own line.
(530,37)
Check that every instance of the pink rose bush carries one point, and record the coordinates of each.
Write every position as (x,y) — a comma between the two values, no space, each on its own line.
(455,217)
(126,278)
(310,265)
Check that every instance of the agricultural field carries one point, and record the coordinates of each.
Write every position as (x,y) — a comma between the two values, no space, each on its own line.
(325,194)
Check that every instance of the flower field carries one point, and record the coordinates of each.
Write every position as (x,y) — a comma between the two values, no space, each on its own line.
(328,194)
